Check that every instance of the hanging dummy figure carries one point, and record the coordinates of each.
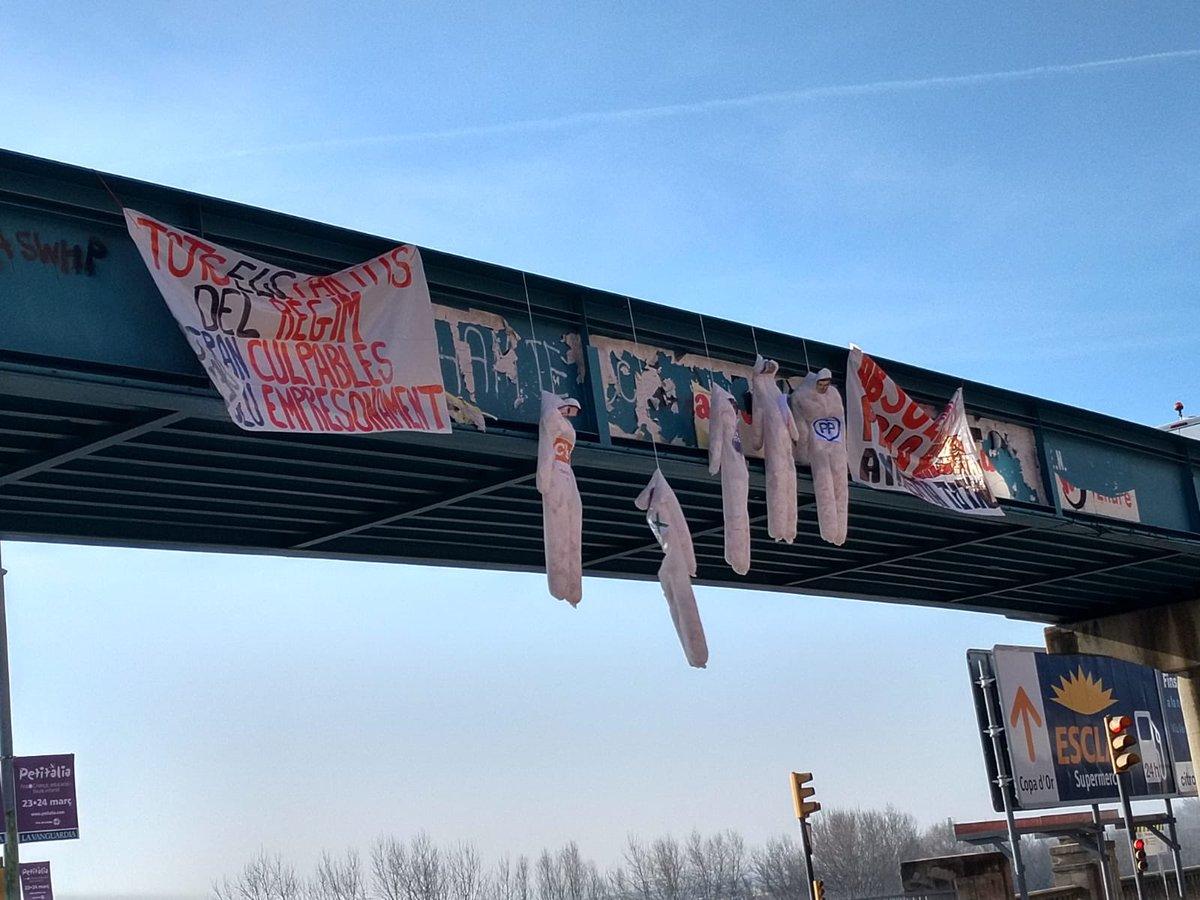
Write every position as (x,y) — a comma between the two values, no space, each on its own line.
(562,511)
(773,430)
(678,568)
(725,456)
(823,417)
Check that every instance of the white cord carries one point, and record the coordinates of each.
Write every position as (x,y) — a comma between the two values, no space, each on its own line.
(638,348)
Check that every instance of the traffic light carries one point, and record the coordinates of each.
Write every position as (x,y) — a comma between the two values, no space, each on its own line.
(1122,745)
(1139,855)
(818,889)
(800,794)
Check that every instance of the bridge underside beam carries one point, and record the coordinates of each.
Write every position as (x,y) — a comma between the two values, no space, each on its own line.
(92,442)
(480,488)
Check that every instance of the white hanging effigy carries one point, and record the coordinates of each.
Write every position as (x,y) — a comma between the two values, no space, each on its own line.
(670,529)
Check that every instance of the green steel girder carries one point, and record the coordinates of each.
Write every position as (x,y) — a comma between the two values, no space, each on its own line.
(109,433)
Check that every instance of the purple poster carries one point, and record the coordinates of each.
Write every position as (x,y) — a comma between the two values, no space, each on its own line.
(35,881)
(46,797)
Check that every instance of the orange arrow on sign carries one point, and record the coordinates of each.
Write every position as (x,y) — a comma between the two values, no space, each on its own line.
(1024,709)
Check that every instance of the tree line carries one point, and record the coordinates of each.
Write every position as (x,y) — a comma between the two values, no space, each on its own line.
(857,854)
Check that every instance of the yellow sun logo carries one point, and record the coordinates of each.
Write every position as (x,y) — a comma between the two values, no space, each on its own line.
(1082,694)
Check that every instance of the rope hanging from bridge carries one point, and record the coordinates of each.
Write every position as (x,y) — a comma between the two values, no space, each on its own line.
(707,355)
(725,459)
(754,338)
(533,341)
(638,350)
(111,193)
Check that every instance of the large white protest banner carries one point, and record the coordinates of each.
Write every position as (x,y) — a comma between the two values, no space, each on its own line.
(894,444)
(353,352)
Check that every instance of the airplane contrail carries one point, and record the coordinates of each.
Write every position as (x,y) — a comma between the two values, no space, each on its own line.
(643,113)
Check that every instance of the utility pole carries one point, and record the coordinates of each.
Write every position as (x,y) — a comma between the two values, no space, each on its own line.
(1102,847)
(805,808)
(1173,834)
(1122,750)
(1137,852)
(12,857)
(1003,781)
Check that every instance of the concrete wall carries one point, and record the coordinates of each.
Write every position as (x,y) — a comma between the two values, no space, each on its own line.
(1153,886)
(972,876)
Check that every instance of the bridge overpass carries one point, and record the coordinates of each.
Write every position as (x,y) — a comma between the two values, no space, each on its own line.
(111,434)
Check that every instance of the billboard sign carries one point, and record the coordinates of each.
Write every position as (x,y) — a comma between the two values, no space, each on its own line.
(1053,709)
(46,808)
(35,881)
(1177,739)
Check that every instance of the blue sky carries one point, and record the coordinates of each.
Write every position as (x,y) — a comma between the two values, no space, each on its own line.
(954,186)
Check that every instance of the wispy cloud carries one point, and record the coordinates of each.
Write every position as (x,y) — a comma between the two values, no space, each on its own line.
(645,113)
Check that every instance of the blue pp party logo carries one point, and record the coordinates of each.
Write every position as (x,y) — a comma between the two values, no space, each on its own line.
(828,429)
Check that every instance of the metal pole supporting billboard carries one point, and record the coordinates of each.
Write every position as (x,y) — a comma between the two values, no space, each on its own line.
(1102,846)
(1178,860)
(1004,781)
(12,858)
(1130,830)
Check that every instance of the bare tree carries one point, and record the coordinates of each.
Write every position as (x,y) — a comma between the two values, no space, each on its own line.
(338,879)
(566,875)
(860,851)
(263,878)
(409,871)
(717,868)
(573,872)
(620,887)
(464,875)
(658,871)
(939,840)
(1035,853)
(549,880)
(427,876)
(779,871)
(511,880)
(598,886)
(1188,813)
(640,866)
(856,852)
(389,869)
(670,875)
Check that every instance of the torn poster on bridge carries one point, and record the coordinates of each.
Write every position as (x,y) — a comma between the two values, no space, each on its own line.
(351,352)
(895,445)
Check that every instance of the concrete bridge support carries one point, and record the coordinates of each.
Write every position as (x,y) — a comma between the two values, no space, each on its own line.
(1165,637)
(1074,866)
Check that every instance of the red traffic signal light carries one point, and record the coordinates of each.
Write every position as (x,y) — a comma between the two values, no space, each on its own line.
(1118,724)
(1122,745)
(1139,855)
